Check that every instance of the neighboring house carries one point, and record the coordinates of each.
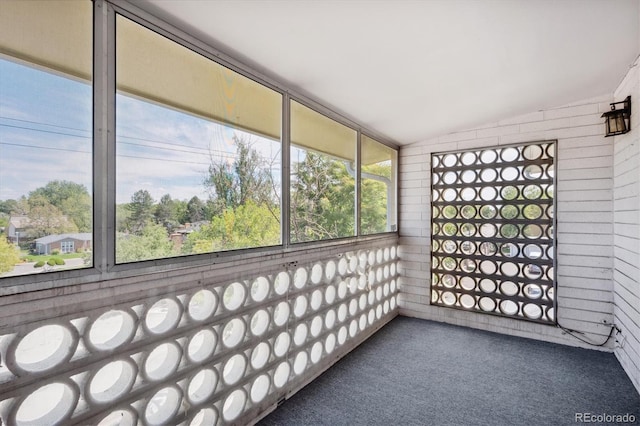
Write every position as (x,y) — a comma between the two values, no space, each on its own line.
(19,227)
(64,243)
(181,233)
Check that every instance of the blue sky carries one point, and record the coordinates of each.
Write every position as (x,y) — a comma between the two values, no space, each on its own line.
(58,110)
(45,134)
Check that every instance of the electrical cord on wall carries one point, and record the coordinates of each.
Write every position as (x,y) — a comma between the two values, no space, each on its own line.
(584,340)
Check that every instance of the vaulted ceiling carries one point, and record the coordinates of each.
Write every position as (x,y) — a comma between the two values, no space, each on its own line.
(410,70)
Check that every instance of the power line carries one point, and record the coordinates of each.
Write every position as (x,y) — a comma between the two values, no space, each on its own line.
(208,151)
(89,152)
(231,154)
(44,124)
(162,159)
(117,136)
(44,147)
(117,155)
(44,131)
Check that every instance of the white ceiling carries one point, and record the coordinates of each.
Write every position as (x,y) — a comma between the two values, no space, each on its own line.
(410,70)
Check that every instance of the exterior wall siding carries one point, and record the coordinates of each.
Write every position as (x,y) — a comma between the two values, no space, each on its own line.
(626,232)
(585,223)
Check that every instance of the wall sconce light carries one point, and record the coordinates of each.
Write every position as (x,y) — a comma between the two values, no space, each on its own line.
(618,120)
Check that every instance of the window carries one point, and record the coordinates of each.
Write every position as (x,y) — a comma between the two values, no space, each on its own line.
(192,160)
(322,203)
(45,130)
(198,152)
(492,231)
(378,187)
(67,247)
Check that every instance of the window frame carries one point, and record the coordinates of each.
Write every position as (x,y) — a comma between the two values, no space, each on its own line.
(103,163)
(315,108)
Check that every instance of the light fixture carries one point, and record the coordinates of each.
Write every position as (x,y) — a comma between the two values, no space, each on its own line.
(618,120)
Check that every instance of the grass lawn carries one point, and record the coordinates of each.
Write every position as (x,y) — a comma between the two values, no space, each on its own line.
(44,257)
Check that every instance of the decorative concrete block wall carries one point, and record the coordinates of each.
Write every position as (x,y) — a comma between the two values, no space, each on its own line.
(199,346)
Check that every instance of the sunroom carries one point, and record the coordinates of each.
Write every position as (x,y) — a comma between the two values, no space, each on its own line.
(264,186)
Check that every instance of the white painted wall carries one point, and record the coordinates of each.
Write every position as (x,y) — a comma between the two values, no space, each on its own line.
(626,238)
(585,221)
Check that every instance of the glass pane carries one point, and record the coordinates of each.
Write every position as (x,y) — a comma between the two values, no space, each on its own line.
(46,207)
(322,177)
(197,152)
(378,187)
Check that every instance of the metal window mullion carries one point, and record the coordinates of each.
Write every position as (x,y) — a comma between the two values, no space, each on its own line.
(103,135)
(285,197)
(358,183)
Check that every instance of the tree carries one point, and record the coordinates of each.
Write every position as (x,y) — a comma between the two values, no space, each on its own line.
(141,208)
(4,221)
(180,211)
(122,217)
(248,178)
(8,207)
(46,219)
(152,243)
(70,198)
(196,210)
(373,195)
(9,256)
(248,225)
(373,207)
(322,199)
(165,213)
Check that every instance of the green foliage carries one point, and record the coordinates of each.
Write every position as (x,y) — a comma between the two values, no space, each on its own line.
(373,207)
(141,211)
(249,225)
(322,199)
(122,217)
(165,213)
(196,210)
(57,261)
(248,178)
(152,243)
(243,207)
(374,187)
(8,207)
(45,257)
(47,219)
(9,256)
(39,264)
(4,220)
(87,257)
(71,199)
(180,211)
(55,252)
(51,262)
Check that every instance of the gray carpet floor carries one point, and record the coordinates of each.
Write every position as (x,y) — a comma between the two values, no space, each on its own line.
(416,372)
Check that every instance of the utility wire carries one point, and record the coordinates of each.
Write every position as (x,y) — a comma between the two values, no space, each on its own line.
(44,147)
(571,333)
(118,136)
(44,131)
(44,124)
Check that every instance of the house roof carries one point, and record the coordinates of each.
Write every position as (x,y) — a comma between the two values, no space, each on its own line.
(19,221)
(82,236)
